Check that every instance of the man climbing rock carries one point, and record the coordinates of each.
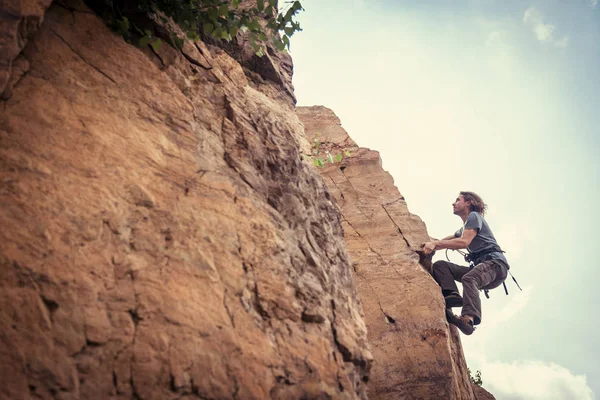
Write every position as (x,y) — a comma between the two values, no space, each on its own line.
(488,269)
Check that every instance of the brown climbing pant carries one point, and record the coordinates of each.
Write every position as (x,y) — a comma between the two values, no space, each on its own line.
(486,275)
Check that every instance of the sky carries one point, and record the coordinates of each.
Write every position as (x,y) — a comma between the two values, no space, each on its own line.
(497,97)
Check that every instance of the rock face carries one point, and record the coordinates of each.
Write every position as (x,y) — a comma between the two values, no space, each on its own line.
(161,236)
(19,20)
(416,354)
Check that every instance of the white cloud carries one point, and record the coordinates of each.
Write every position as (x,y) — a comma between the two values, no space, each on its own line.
(532,380)
(518,301)
(543,32)
(533,18)
(593,3)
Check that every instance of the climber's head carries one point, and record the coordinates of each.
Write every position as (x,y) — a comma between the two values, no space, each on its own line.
(467,202)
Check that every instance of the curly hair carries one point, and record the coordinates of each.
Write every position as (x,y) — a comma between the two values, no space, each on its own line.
(477,203)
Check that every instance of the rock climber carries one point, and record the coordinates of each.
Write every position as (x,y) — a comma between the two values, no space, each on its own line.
(488,269)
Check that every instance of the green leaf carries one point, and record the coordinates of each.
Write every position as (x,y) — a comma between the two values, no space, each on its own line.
(260,5)
(217,33)
(289,14)
(254,45)
(123,25)
(289,30)
(144,41)
(330,158)
(254,25)
(178,42)
(213,13)
(209,28)
(223,10)
(156,44)
(347,153)
(277,42)
(286,41)
(235,4)
(297,6)
(339,157)
(193,35)
(319,162)
(233,31)
(279,45)
(273,3)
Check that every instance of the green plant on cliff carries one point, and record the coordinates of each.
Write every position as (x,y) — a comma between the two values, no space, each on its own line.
(320,161)
(477,379)
(263,20)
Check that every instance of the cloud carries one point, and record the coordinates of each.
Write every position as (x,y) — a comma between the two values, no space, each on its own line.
(543,32)
(532,380)
(593,3)
(518,301)
(533,18)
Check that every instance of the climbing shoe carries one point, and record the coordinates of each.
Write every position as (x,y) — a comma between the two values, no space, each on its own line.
(462,323)
(453,300)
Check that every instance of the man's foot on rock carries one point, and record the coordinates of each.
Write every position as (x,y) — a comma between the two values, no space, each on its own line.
(463,323)
(453,300)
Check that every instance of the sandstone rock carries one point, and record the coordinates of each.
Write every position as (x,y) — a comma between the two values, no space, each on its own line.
(19,20)
(20,66)
(161,236)
(416,354)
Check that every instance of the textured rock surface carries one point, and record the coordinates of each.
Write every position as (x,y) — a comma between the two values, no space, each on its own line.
(160,236)
(19,20)
(271,74)
(416,354)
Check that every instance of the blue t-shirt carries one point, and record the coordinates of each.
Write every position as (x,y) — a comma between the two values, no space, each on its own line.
(484,239)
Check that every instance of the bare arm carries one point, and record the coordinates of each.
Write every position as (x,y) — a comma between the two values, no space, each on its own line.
(451,242)
(457,243)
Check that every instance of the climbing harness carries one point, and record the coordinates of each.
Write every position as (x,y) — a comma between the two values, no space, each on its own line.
(478,257)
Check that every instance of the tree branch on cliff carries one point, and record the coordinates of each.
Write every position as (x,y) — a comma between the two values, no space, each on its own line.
(261,22)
